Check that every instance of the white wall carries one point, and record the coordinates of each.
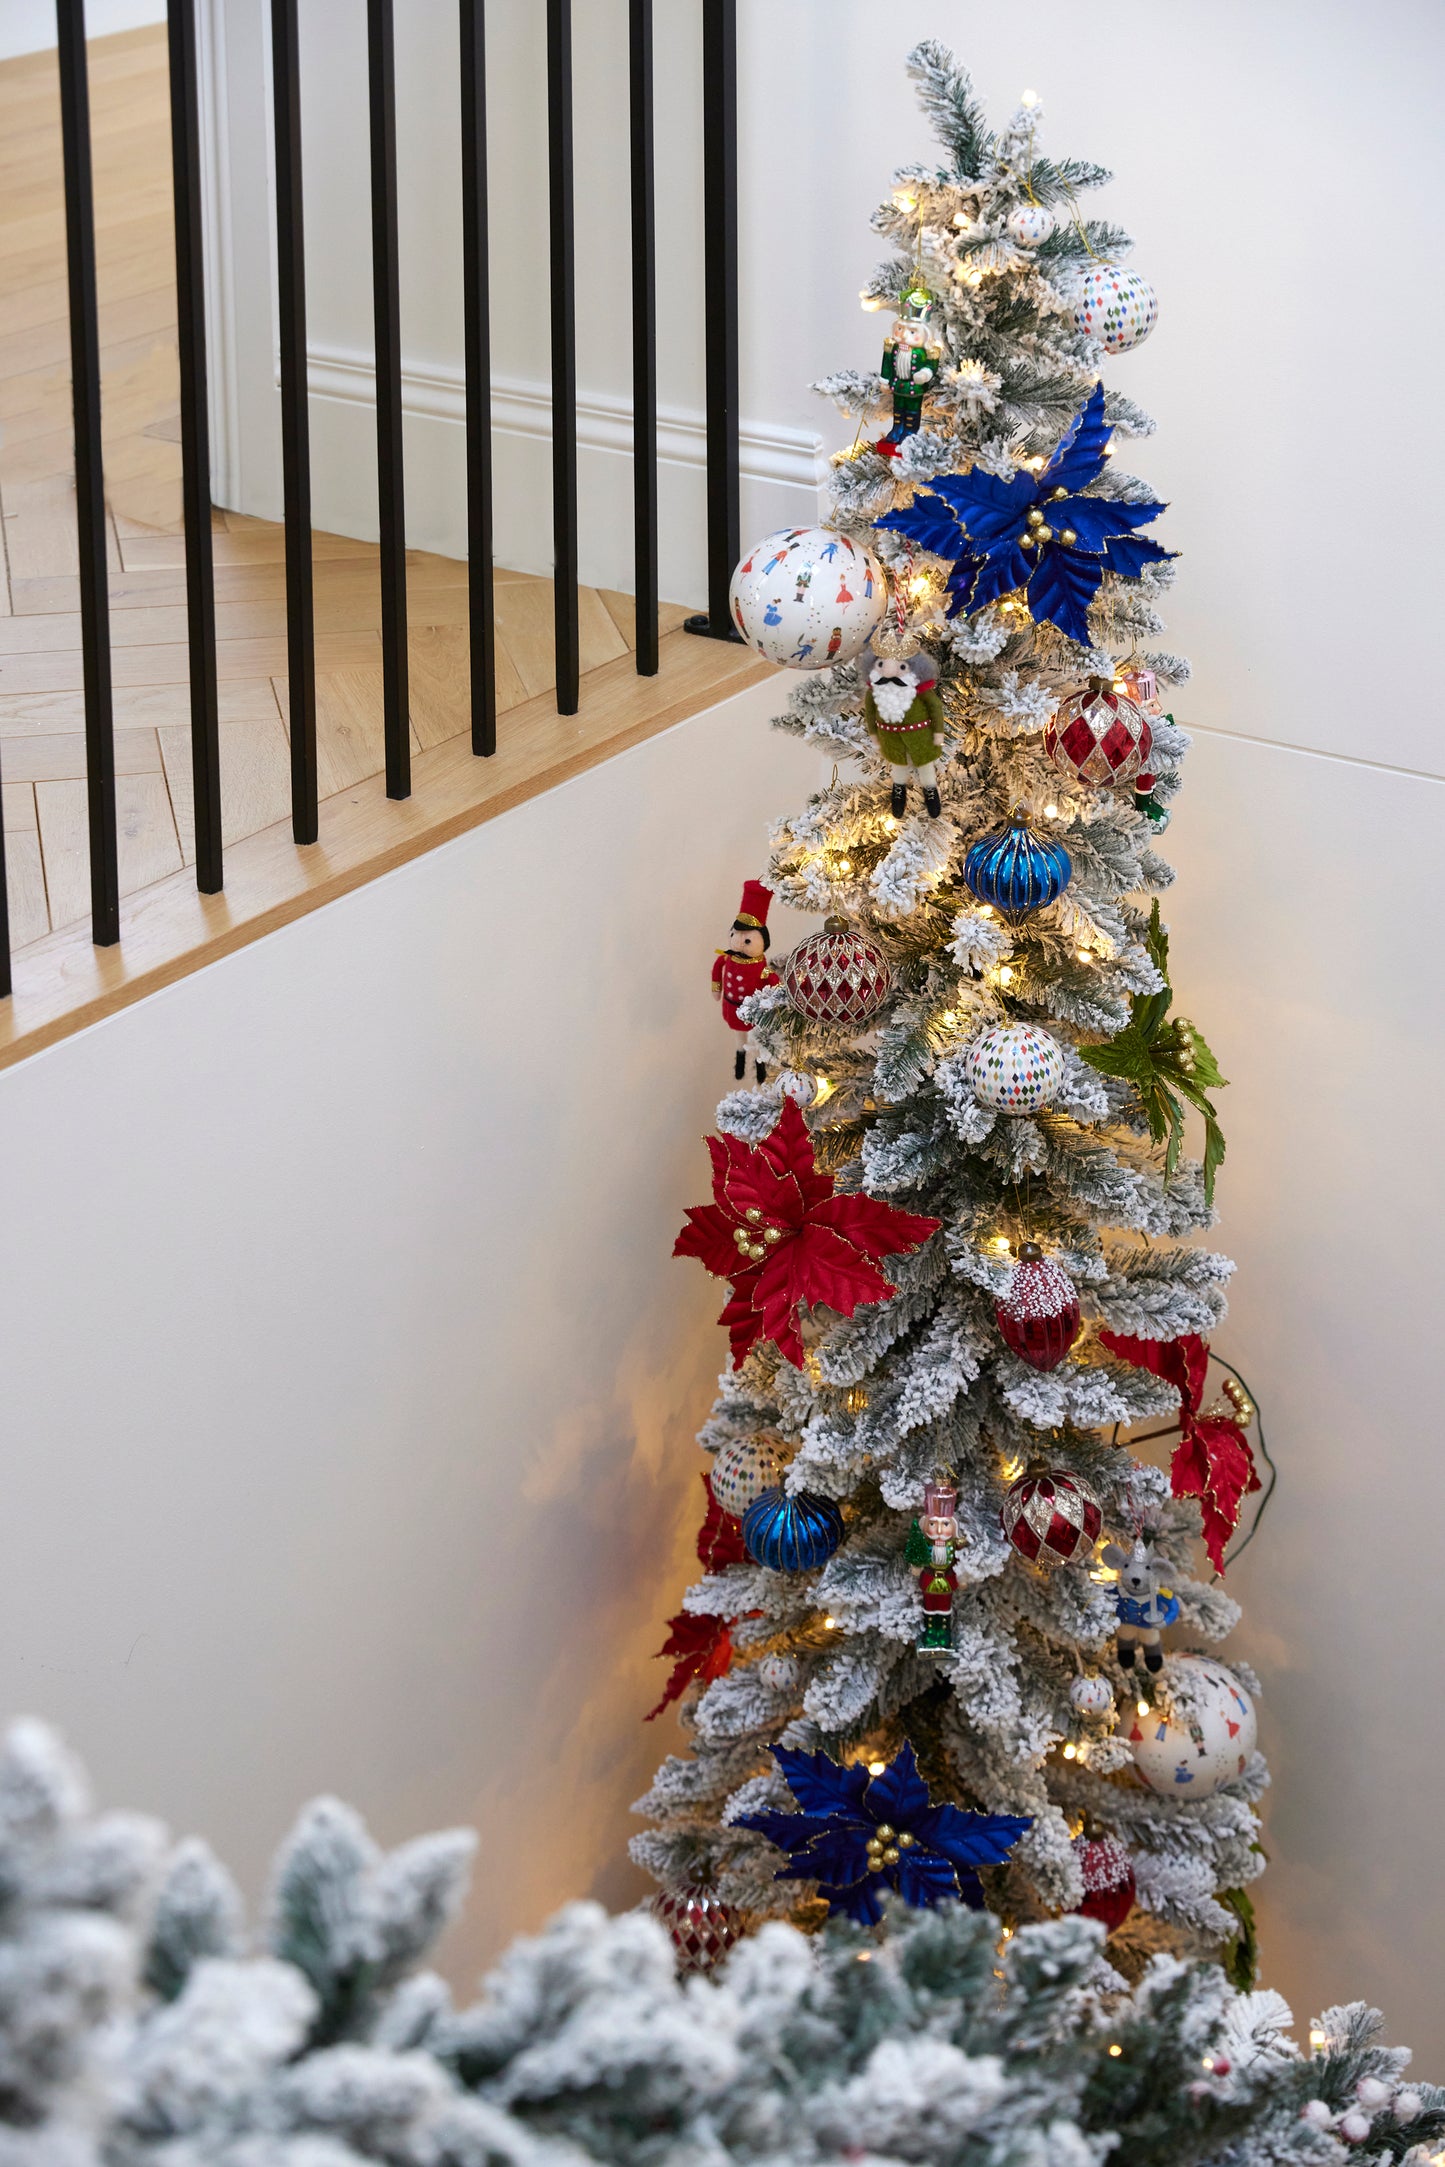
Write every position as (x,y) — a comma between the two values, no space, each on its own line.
(28,26)
(350,1383)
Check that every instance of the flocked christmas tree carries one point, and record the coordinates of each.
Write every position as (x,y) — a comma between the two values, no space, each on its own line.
(960,1222)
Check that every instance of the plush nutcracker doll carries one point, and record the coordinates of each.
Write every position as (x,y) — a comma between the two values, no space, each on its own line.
(911,355)
(932,1546)
(904,712)
(742,967)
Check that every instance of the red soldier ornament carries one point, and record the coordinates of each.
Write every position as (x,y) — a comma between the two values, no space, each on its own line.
(742,968)
(933,1546)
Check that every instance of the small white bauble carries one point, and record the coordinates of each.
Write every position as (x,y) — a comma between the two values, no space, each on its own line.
(1029,225)
(743,1470)
(806,597)
(1014,1068)
(1206,1741)
(1091,1696)
(781,1672)
(1116,307)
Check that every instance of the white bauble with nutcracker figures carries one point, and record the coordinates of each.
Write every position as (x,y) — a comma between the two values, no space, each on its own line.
(806,597)
(1203,1739)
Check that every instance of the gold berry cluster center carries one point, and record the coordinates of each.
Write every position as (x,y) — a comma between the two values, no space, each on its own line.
(885,1846)
(756,1238)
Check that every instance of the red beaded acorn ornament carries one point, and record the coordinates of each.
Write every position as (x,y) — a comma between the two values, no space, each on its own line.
(702,1926)
(1051,1519)
(838,975)
(1108,1880)
(1099,735)
(1038,1312)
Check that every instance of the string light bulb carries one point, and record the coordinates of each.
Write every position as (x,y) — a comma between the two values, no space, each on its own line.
(830,1625)
(1143,1707)
(1030,97)
(823,1090)
(1051,812)
(1005,974)
(904,201)
(876,1768)
(1317,2039)
(1071,1751)
(1116,2050)
(872,302)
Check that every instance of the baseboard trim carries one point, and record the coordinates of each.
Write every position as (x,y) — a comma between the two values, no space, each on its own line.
(767,451)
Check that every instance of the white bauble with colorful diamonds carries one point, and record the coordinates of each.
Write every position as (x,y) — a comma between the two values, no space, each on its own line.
(1116,307)
(1206,1738)
(1014,1068)
(745,1468)
(806,597)
(1091,1696)
(1029,225)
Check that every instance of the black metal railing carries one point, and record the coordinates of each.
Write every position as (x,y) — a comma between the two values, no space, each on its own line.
(719,128)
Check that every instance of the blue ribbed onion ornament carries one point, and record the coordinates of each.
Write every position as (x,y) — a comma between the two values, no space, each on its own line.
(792,1534)
(1017,870)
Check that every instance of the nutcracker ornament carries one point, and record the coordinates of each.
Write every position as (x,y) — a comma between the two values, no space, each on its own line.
(742,968)
(902,709)
(911,354)
(1143,1603)
(932,1547)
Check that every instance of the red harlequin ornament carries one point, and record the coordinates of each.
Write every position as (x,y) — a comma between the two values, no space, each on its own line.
(1039,1312)
(838,975)
(1108,1880)
(702,1926)
(1051,1519)
(1099,735)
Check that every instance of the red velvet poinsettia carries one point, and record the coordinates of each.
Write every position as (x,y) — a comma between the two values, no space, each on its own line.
(702,1642)
(778,1232)
(1212,1460)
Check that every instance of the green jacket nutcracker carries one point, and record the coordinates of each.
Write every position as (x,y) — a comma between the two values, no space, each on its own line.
(911,354)
(903,711)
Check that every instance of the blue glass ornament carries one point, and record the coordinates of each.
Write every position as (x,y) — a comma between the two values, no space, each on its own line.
(1017,870)
(792,1534)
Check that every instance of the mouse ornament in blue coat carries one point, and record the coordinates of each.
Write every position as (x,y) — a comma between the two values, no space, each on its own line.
(1143,1604)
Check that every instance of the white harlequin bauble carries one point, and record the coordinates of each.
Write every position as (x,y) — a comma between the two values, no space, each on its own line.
(781,1672)
(807,597)
(1014,1068)
(1116,307)
(1030,224)
(1207,1737)
(743,1470)
(1091,1696)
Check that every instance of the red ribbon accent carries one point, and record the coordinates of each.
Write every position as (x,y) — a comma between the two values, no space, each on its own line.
(1213,1460)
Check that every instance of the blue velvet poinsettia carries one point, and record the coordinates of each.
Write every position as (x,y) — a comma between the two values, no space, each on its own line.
(858,1835)
(984,528)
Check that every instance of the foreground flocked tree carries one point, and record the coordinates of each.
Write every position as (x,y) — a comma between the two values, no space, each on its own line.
(1004,1072)
(141,2025)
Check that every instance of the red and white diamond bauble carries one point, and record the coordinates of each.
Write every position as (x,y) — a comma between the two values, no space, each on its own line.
(1038,1313)
(702,1926)
(1091,1696)
(745,1468)
(1029,225)
(1207,1737)
(837,976)
(1014,1068)
(1108,1880)
(1116,307)
(1051,1519)
(1098,735)
(807,597)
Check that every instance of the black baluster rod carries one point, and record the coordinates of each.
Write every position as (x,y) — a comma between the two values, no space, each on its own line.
(195,446)
(644,339)
(476,315)
(4,920)
(564,353)
(89,473)
(720,291)
(390,473)
(295,419)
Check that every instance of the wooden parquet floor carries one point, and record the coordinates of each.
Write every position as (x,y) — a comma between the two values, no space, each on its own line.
(42,745)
